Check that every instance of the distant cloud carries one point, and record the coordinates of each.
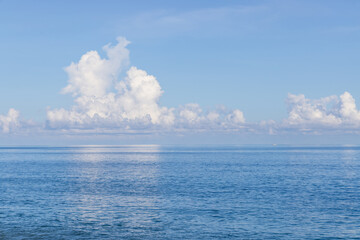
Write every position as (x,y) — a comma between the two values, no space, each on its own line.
(104,102)
(191,116)
(331,112)
(10,121)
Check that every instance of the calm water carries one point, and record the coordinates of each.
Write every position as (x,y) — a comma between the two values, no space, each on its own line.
(162,192)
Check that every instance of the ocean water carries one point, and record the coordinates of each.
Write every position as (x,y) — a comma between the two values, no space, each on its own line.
(180,192)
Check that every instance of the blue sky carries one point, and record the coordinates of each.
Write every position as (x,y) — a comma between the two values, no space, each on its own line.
(246,55)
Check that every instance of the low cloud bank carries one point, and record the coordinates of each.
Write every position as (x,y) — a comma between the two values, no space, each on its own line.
(103,103)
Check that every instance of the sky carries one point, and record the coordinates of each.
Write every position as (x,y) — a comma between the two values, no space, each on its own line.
(118,72)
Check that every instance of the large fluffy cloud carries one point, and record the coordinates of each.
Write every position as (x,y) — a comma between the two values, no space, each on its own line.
(10,121)
(93,75)
(134,103)
(102,101)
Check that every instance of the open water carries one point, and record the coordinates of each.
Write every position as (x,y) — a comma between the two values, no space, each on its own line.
(179,192)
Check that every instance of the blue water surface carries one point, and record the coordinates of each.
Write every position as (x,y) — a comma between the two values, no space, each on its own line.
(180,192)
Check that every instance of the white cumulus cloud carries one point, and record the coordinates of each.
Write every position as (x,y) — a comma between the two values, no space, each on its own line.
(104,101)
(10,121)
(134,102)
(331,112)
(93,75)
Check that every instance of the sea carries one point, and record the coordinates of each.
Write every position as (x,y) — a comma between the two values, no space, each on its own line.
(180,192)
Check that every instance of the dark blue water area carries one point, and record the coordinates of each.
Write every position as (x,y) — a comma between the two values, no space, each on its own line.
(180,192)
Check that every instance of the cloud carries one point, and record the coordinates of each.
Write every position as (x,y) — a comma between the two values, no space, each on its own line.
(331,112)
(10,121)
(135,103)
(104,102)
(92,75)
(192,116)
